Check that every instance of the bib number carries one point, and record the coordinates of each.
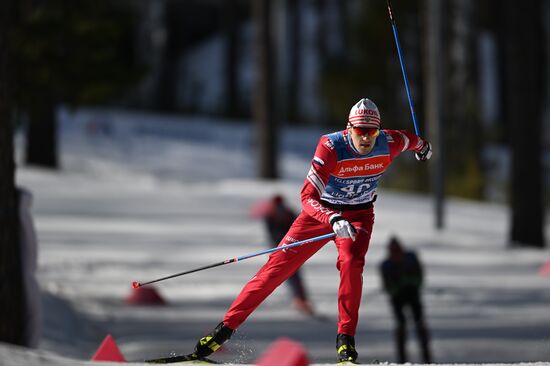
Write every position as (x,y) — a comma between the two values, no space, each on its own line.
(355,189)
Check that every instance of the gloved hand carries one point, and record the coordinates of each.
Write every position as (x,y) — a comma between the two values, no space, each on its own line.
(342,228)
(425,152)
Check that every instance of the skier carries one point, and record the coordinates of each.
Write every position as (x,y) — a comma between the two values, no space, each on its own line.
(278,218)
(402,276)
(338,195)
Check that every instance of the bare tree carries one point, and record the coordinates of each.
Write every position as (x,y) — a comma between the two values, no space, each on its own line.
(42,148)
(12,320)
(465,177)
(434,80)
(523,53)
(264,94)
(294,25)
(231,23)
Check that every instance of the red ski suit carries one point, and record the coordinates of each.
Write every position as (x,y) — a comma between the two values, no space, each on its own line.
(340,180)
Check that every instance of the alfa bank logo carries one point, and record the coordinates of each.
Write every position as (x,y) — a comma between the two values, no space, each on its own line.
(362,167)
(374,166)
(359,168)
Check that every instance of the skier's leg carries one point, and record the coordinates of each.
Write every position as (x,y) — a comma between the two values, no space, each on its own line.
(401,342)
(296,286)
(279,267)
(422,332)
(423,335)
(350,263)
(400,332)
(299,294)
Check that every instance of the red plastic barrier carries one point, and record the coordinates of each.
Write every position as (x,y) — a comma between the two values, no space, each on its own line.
(108,351)
(283,352)
(147,295)
(544,270)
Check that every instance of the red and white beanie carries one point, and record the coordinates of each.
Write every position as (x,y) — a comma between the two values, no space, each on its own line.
(364,114)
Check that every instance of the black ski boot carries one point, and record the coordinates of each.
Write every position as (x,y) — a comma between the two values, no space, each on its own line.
(212,341)
(345,346)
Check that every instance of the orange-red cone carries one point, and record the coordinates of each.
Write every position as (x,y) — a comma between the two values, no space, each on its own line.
(145,296)
(108,351)
(544,270)
(283,352)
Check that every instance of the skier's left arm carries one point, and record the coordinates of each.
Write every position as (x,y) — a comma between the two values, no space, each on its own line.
(403,140)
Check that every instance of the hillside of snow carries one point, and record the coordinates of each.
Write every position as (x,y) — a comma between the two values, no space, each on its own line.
(142,196)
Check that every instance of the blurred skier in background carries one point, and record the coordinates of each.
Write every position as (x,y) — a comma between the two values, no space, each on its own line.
(337,196)
(278,218)
(402,277)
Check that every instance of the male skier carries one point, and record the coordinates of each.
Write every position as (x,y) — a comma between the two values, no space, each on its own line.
(338,195)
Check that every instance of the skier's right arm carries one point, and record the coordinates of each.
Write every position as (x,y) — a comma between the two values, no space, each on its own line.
(314,185)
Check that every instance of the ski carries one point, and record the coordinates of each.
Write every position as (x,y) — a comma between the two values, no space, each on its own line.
(190,358)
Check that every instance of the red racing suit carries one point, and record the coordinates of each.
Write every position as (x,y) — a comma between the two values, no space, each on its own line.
(342,181)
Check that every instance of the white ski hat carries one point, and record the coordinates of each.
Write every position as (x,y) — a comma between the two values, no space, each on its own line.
(364,114)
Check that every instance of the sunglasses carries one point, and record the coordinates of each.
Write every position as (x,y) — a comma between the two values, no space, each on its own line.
(371,132)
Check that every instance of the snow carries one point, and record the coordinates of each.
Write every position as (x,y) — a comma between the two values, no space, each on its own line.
(142,196)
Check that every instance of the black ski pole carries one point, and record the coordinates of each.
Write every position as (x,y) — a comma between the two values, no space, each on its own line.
(137,284)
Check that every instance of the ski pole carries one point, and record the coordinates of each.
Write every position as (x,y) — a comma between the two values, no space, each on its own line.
(402,63)
(137,284)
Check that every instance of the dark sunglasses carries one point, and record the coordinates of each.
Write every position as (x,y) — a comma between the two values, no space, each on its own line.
(362,131)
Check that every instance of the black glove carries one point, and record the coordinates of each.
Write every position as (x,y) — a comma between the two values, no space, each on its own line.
(425,152)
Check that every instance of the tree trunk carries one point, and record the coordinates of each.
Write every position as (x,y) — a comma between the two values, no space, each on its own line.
(434,66)
(41,149)
(12,305)
(165,95)
(462,101)
(523,89)
(321,39)
(343,30)
(294,37)
(264,96)
(231,54)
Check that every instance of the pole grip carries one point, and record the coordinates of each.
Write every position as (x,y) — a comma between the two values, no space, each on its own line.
(390,11)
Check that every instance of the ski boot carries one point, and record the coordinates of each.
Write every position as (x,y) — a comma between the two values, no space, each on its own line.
(345,346)
(212,341)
